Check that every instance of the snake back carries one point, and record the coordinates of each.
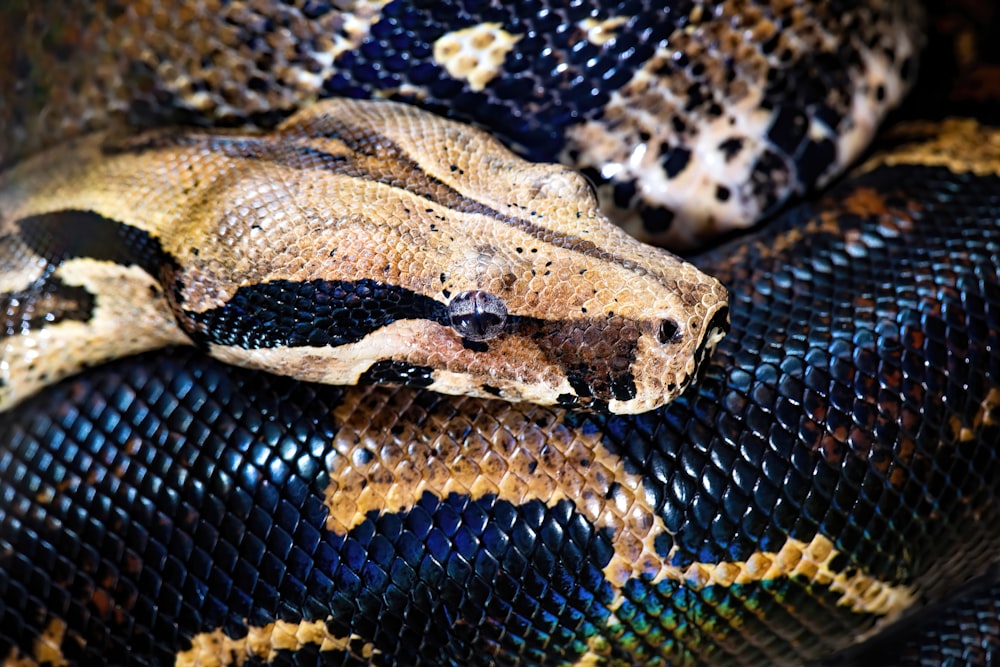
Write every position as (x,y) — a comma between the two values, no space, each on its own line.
(693,117)
(830,480)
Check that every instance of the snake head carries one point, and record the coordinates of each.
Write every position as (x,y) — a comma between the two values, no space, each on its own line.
(411,249)
(366,242)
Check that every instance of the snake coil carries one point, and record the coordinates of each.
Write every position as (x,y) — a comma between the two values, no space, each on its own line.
(829,468)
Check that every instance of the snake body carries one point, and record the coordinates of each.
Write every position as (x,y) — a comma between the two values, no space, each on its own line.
(830,470)
(694,117)
(826,473)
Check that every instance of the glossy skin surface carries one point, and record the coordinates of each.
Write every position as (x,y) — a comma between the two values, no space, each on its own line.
(835,464)
(169,507)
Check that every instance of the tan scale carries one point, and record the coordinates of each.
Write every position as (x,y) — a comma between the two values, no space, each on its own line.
(436,208)
(507,456)
(599,32)
(46,649)
(217,649)
(961,145)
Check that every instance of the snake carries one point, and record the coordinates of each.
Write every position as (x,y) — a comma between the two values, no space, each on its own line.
(460,417)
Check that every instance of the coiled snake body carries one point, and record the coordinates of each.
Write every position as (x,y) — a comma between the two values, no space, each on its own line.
(830,469)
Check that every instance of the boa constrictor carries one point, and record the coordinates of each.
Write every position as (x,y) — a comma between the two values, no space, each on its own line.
(831,467)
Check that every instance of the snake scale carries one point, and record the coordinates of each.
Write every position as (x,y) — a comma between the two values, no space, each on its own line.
(828,469)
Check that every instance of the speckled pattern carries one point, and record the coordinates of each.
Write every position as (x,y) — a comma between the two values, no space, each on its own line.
(696,116)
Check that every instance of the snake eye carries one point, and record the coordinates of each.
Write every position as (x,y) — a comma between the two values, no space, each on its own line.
(477,315)
(668,332)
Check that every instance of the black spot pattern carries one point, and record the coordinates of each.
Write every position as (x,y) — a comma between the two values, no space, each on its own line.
(49,301)
(598,367)
(553,79)
(63,235)
(674,160)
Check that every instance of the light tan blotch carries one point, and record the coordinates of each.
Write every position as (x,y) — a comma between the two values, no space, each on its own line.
(217,649)
(521,453)
(601,31)
(475,54)
(125,321)
(46,650)
(967,432)
(960,144)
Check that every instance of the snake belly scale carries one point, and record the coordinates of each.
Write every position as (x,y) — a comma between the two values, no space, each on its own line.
(827,469)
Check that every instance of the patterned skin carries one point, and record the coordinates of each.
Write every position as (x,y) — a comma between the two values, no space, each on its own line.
(836,463)
(359,241)
(692,117)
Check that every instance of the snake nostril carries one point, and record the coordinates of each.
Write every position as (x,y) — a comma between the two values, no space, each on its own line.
(668,332)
